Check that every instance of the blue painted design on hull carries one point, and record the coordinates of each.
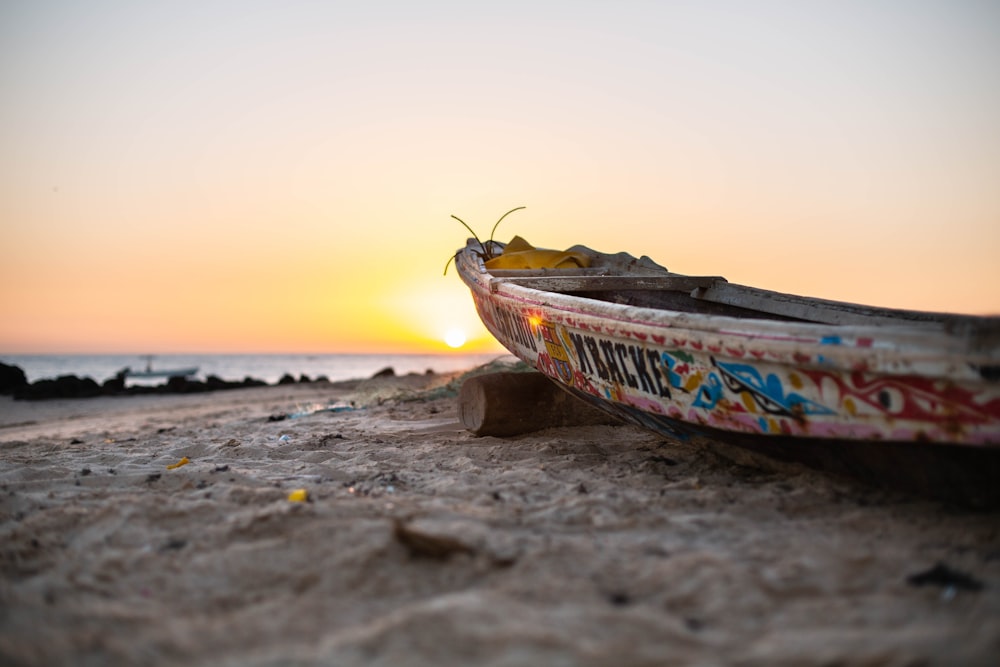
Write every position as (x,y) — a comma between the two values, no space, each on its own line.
(767,392)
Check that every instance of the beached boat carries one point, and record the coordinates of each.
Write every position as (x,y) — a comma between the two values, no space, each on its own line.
(785,375)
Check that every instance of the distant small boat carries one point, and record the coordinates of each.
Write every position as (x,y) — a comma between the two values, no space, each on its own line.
(150,373)
(788,376)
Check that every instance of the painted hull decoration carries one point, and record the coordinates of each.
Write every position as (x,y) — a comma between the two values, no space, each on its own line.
(697,355)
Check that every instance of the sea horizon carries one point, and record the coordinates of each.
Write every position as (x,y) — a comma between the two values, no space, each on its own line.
(269,367)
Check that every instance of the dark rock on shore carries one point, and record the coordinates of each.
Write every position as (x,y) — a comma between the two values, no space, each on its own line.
(12,378)
(13,381)
(181,385)
(386,372)
(115,385)
(64,386)
(288,378)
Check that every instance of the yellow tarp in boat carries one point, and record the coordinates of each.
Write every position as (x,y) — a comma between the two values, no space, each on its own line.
(519,254)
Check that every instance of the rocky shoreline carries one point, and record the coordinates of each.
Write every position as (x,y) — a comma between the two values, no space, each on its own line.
(13,382)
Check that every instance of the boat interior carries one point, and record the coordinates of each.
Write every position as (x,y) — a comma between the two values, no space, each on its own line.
(714,295)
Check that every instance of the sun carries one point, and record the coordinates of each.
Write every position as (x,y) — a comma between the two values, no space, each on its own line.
(454,338)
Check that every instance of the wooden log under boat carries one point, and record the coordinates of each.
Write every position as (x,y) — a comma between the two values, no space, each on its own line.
(506,404)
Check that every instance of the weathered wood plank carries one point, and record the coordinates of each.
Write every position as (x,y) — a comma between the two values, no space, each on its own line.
(578,283)
(814,310)
(505,404)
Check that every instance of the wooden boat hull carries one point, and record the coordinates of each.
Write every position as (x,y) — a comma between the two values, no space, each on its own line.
(867,375)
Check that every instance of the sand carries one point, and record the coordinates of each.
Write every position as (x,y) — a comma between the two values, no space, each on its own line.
(424,545)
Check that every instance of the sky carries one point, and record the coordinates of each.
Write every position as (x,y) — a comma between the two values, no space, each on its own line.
(244,176)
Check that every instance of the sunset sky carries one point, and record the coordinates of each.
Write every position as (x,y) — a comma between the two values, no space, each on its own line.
(244,176)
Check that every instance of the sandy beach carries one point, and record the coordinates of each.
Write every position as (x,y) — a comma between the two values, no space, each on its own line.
(421,544)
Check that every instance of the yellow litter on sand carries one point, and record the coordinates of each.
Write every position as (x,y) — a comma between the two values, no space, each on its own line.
(298,496)
(519,254)
(183,462)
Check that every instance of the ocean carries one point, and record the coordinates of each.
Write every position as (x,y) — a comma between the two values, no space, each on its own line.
(235,367)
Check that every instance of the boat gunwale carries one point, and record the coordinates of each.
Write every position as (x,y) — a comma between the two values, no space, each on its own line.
(887,341)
